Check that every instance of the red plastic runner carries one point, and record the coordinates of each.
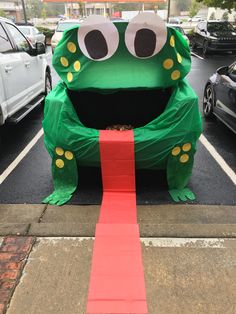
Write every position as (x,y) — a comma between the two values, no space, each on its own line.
(117,277)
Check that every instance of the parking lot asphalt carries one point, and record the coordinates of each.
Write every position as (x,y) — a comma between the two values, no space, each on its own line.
(31,180)
(188,249)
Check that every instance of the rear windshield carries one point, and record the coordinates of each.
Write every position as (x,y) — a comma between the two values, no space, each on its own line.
(180,29)
(220,27)
(61,27)
(25,30)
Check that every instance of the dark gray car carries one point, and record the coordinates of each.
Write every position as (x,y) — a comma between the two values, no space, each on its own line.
(214,36)
(220,96)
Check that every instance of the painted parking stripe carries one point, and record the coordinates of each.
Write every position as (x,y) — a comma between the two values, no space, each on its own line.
(195,55)
(221,162)
(24,152)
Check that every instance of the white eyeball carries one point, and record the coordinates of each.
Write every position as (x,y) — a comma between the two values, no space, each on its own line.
(145,35)
(98,38)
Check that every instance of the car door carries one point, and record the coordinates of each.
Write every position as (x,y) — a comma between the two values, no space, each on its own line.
(33,65)
(226,97)
(13,74)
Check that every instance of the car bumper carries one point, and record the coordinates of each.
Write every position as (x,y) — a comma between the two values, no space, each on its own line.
(221,46)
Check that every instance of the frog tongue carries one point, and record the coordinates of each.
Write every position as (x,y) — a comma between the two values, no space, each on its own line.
(136,107)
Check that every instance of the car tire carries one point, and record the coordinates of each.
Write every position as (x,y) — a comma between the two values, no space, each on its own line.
(205,48)
(48,83)
(208,102)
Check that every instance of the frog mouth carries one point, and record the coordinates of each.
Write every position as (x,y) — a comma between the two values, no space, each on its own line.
(135,108)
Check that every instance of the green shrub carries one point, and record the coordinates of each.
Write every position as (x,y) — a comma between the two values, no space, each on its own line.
(46,31)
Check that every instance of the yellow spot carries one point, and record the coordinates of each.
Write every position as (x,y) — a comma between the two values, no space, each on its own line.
(172,41)
(186,147)
(71,47)
(59,151)
(59,163)
(175,75)
(69,76)
(69,155)
(77,66)
(176,151)
(64,62)
(168,64)
(179,58)
(184,158)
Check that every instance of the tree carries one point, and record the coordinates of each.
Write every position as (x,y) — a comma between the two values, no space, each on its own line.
(44,12)
(2,13)
(226,4)
(183,5)
(35,8)
(194,8)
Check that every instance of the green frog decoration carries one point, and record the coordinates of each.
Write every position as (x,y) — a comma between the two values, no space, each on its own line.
(122,73)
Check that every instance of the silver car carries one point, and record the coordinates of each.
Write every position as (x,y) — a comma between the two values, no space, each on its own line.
(25,76)
(32,34)
(61,27)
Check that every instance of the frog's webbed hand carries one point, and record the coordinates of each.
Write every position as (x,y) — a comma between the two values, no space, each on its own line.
(179,169)
(65,177)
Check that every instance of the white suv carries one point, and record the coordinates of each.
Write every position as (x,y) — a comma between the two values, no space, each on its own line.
(25,76)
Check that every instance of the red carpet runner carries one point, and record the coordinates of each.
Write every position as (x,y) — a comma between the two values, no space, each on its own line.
(117,278)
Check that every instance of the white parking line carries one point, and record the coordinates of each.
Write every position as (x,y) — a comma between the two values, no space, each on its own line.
(195,55)
(221,162)
(24,152)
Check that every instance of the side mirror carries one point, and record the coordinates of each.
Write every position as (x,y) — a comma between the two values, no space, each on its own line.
(40,48)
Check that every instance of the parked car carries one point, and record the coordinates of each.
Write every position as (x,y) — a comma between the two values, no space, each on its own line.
(180,29)
(62,25)
(196,18)
(174,20)
(220,96)
(214,36)
(25,76)
(33,34)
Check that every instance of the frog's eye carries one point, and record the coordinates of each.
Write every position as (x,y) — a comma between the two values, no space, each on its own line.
(145,35)
(98,38)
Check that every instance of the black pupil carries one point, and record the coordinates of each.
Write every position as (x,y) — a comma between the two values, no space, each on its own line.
(96,44)
(145,43)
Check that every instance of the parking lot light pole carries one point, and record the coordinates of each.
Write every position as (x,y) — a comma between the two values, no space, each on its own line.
(168,11)
(24,11)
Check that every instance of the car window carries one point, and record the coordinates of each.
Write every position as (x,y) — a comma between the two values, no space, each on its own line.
(21,42)
(232,69)
(180,29)
(35,30)
(219,27)
(5,45)
(61,27)
(25,30)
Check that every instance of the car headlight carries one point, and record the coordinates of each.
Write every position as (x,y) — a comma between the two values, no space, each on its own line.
(212,38)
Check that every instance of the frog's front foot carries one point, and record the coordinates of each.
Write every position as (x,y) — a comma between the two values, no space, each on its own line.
(179,169)
(57,198)
(182,195)
(65,177)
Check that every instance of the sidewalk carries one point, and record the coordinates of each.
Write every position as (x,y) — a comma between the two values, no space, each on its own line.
(189,257)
